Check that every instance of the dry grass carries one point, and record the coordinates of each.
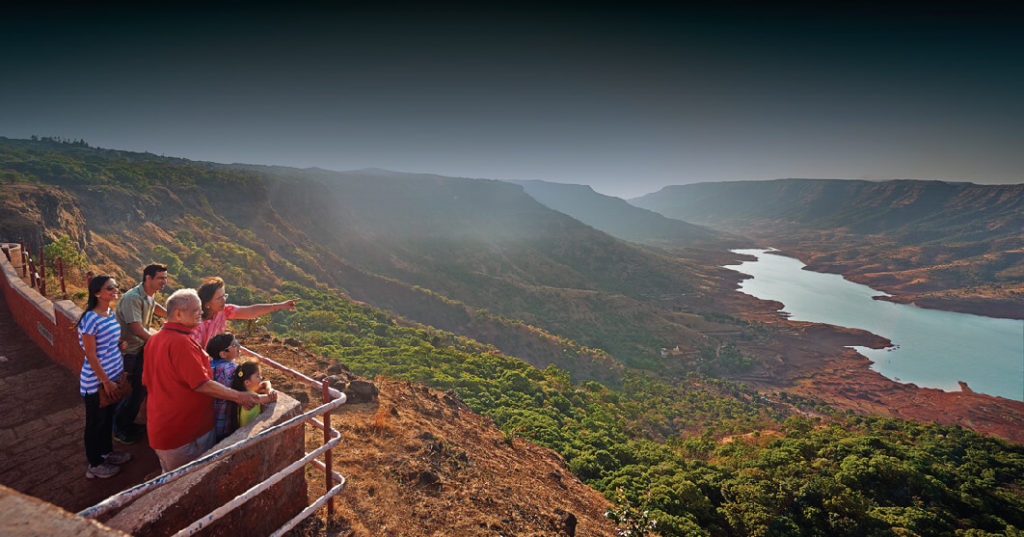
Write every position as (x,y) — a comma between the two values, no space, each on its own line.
(419,463)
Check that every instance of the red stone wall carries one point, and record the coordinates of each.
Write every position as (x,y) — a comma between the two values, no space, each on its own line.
(51,326)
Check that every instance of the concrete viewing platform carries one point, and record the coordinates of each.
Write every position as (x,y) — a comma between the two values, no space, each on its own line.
(42,422)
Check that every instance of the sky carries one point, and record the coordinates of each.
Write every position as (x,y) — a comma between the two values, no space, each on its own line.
(627,98)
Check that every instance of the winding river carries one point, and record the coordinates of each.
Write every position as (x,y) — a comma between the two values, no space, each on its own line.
(932,348)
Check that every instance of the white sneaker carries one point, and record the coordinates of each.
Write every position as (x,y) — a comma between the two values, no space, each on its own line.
(102,471)
(117,457)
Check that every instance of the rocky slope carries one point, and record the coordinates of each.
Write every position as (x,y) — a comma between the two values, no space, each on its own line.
(420,463)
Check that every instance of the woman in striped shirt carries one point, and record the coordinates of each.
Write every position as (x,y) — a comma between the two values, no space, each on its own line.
(99,333)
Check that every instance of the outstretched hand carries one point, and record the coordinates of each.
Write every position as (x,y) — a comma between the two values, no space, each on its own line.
(289,304)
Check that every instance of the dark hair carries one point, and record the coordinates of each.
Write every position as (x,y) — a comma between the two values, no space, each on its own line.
(242,372)
(208,289)
(219,344)
(151,270)
(95,286)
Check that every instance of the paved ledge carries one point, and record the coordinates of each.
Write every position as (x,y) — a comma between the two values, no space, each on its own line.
(25,516)
(168,509)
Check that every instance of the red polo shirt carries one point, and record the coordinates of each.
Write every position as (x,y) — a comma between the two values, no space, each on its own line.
(176,414)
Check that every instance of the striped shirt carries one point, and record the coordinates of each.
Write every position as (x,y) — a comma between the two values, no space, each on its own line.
(107,333)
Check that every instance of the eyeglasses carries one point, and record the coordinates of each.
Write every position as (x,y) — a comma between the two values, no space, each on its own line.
(235,344)
(111,288)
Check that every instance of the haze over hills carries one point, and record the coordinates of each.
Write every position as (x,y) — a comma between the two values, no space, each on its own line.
(430,248)
(490,245)
(909,210)
(620,219)
(957,246)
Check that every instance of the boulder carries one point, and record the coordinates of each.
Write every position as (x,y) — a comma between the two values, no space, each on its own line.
(360,391)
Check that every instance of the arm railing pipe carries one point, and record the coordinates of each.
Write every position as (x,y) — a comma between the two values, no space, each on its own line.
(323,468)
(327,456)
(333,392)
(127,496)
(256,489)
(329,496)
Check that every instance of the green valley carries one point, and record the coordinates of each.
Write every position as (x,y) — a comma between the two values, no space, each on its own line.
(616,355)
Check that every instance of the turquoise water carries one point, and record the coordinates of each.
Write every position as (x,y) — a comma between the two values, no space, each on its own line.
(932,348)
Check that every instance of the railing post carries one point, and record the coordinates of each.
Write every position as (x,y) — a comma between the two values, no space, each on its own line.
(60,274)
(24,258)
(325,384)
(32,274)
(88,278)
(42,271)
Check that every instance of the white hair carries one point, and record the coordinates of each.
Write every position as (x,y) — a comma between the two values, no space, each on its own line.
(180,300)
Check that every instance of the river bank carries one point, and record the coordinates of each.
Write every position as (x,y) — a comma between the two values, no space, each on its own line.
(812,360)
(928,287)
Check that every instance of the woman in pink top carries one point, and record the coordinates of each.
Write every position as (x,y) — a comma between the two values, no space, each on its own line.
(216,310)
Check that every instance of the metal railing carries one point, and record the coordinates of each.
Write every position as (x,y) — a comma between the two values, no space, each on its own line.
(34,273)
(332,399)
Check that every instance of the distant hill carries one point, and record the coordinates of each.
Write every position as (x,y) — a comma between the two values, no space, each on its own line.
(203,219)
(490,245)
(912,211)
(956,246)
(478,257)
(618,218)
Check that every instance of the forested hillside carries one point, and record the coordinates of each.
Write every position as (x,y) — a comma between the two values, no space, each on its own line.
(696,454)
(490,245)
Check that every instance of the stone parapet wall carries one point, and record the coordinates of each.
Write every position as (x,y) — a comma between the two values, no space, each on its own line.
(172,507)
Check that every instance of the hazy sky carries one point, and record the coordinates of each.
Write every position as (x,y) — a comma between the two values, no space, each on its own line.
(624,98)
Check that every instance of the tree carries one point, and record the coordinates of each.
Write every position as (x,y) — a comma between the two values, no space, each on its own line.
(68,251)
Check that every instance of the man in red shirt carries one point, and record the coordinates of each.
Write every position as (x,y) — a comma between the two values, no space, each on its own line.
(179,413)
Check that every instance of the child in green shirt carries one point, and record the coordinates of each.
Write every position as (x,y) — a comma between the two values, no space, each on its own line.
(247,378)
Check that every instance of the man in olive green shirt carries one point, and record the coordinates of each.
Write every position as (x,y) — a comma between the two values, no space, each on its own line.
(135,313)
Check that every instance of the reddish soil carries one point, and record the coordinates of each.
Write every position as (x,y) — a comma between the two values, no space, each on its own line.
(811,360)
(418,462)
(1004,308)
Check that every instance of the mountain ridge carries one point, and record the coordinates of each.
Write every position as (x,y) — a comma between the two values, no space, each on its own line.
(955,246)
(620,219)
